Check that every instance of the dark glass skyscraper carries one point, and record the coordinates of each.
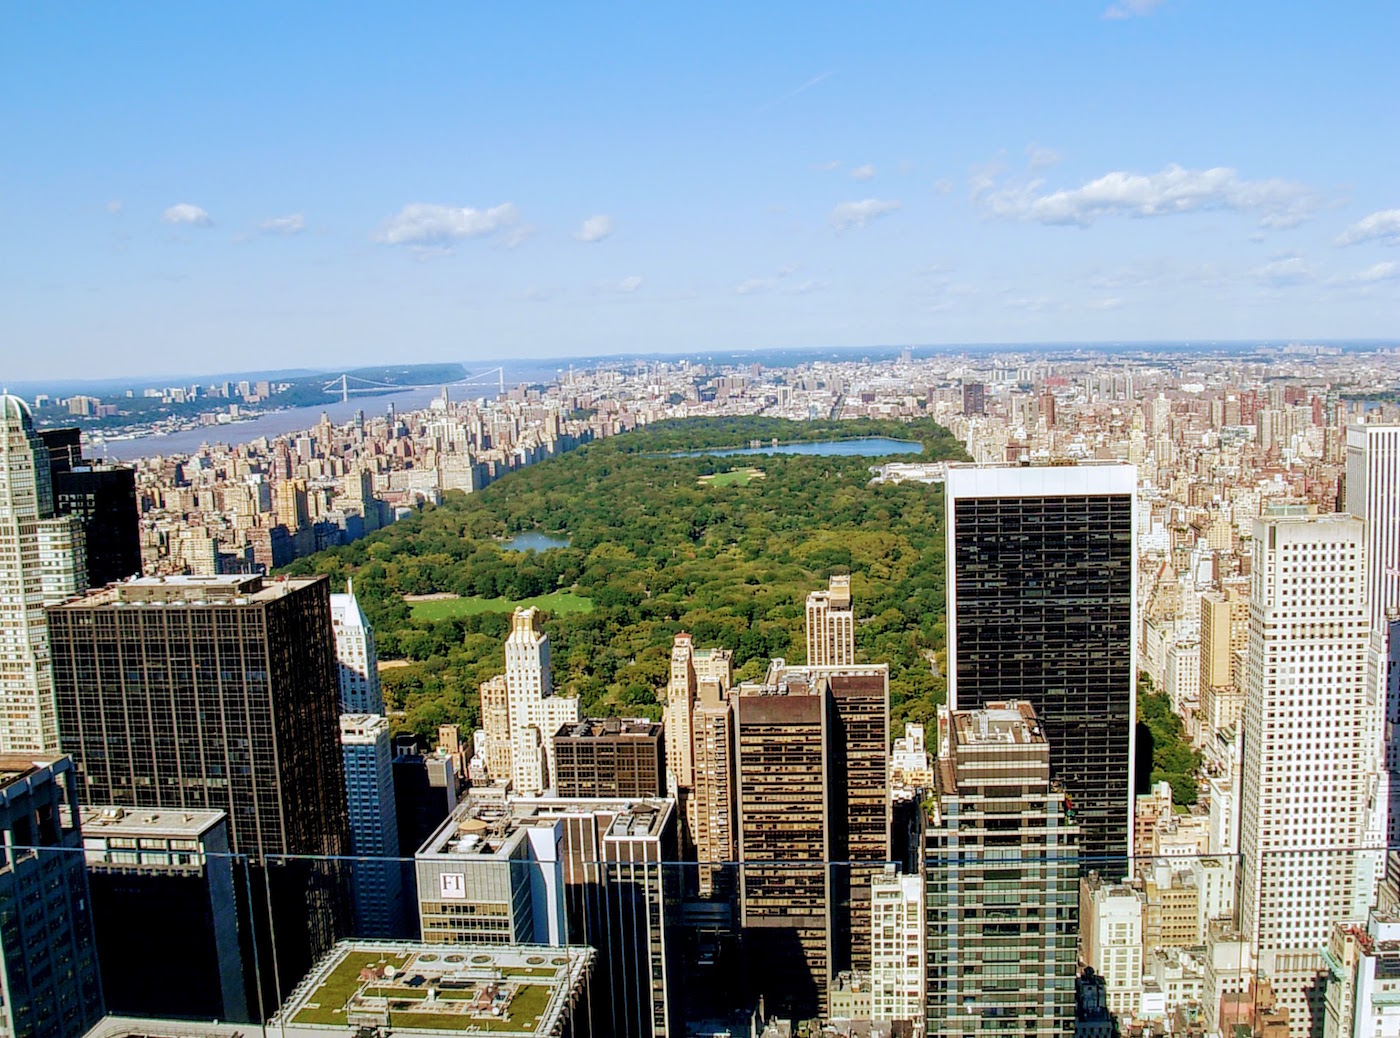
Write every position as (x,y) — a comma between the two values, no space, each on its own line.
(219,693)
(104,498)
(1041,608)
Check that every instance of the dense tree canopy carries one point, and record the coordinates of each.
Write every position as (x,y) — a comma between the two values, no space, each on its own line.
(658,553)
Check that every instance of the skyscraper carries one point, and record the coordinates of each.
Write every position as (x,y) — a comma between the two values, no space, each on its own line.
(1303,808)
(1373,494)
(1002,887)
(218,693)
(103,498)
(357,664)
(813,824)
(713,799)
(49,979)
(690,667)
(38,565)
(1042,607)
(376,876)
(831,629)
(165,879)
(535,711)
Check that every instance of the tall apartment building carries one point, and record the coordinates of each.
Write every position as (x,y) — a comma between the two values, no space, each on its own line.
(103,498)
(813,824)
(1111,928)
(713,800)
(535,711)
(376,876)
(1224,631)
(1001,868)
(34,572)
(690,669)
(357,664)
(610,757)
(49,981)
(1303,808)
(494,697)
(218,693)
(1042,607)
(165,879)
(898,939)
(831,628)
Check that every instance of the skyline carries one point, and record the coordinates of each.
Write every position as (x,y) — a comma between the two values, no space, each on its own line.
(639,181)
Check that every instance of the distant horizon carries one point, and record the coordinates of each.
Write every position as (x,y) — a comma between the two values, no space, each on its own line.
(22,387)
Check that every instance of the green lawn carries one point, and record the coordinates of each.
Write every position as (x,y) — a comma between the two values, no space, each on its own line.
(343,982)
(529,1002)
(447,608)
(732,478)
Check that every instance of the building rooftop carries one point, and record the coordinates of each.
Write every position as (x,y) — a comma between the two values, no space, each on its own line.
(106,820)
(410,988)
(15,766)
(231,589)
(484,827)
(142,1027)
(1011,723)
(784,680)
(610,728)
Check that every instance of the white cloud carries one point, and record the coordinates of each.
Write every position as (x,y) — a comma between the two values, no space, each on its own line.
(424,223)
(943,186)
(1279,203)
(115,206)
(1039,157)
(595,228)
(1109,303)
(866,172)
(1382,226)
(754,286)
(1131,8)
(183,212)
(516,235)
(788,268)
(626,286)
(292,224)
(1287,270)
(1379,272)
(858,214)
(827,167)
(805,288)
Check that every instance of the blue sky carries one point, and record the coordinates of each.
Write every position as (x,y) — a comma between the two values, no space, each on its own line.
(190,188)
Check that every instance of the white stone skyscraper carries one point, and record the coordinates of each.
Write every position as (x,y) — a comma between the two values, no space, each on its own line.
(1306,757)
(831,629)
(536,713)
(354,652)
(1373,495)
(897,946)
(41,563)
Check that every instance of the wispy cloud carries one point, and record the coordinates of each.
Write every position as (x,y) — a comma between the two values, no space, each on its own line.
(595,228)
(758,285)
(1107,303)
(1382,226)
(1039,157)
(425,223)
(858,214)
(827,167)
(822,78)
(189,215)
(115,206)
(1286,270)
(625,287)
(1173,190)
(1376,272)
(866,172)
(1131,9)
(294,223)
